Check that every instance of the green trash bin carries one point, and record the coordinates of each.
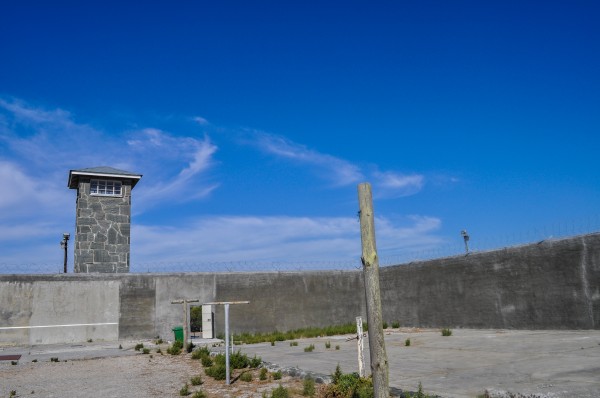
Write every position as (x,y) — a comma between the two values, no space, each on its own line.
(178,330)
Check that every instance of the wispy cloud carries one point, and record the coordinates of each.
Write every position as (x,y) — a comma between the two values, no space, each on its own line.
(390,184)
(286,239)
(338,171)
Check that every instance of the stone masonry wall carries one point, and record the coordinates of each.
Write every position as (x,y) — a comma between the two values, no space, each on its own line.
(102,236)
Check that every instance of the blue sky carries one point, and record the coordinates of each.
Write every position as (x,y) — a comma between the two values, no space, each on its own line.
(254,122)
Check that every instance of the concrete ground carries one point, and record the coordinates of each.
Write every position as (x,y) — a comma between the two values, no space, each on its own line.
(466,364)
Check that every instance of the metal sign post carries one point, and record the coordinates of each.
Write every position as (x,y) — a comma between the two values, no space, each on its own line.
(226,304)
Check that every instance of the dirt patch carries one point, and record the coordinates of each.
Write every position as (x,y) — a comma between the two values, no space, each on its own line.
(131,377)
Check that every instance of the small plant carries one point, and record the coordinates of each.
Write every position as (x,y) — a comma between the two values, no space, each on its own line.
(216,371)
(13,393)
(246,376)
(310,348)
(120,347)
(158,341)
(175,348)
(263,374)
(13,362)
(53,359)
(293,344)
(185,390)
(199,394)
(308,385)
(206,361)
(407,343)
(272,343)
(328,344)
(277,375)
(139,346)
(255,362)
(89,340)
(335,377)
(280,392)
(337,347)
(396,324)
(446,332)
(385,325)
(196,380)
(35,360)
(159,351)
(146,351)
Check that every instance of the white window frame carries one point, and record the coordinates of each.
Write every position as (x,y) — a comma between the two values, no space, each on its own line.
(106,188)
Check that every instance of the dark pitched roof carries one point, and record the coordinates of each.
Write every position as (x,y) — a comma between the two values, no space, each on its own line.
(102,171)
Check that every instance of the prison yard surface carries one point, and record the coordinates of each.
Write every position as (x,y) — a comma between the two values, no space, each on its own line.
(537,363)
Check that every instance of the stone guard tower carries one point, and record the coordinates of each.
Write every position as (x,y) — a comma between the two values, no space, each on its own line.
(103,221)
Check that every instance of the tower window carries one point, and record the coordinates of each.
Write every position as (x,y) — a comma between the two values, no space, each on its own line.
(105,188)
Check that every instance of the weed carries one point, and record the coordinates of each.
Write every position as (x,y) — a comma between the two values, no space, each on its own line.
(385,325)
(349,385)
(139,346)
(89,340)
(407,343)
(185,390)
(146,351)
(248,338)
(255,362)
(35,360)
(120,347)
(246,376)
(159,351)
(13,393)
(337,347)
(293,344)
(206,361)
(308,389)
(280,392)
(158,341)
(446,332)
(175,348)
(196,380)
(328,344)
(272,343)
(277,375)
(199,394)
(335,377)
(310,348)
(54,359)
(396,324)
(13,362)
(263,374)
(217,371)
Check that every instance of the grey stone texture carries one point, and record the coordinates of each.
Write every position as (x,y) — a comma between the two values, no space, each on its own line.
(102,230)
(548,285)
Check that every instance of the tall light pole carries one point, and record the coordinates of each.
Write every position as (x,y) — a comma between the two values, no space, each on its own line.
(65,245)
(465,236)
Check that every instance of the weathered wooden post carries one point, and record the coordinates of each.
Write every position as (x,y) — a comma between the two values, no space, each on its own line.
(379,363)
(361,352)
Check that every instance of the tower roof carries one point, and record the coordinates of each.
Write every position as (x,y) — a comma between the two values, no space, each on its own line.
(102,171)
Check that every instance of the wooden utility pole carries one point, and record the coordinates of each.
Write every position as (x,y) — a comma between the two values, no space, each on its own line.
(370,261)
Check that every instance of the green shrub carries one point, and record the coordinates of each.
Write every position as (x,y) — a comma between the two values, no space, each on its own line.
(89,340)
(280,392)
(328,344)
(54,359)
(337,347)
(185,390)
(349,385)
(263,374)
(158,341)
(407,342)
(272,343)
(308,385)
(446,332)
(206,361)
(246,376)
(199,394)
(139,346)
(385,325)
(277,375)
(196,380)
(396,324)
(158,351)
(310,348)
(293,343)
(237,360)
(175,348)
(255,362)
(335,377)
(146,351)
(217,371)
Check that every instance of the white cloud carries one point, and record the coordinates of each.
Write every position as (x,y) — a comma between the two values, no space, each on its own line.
(340,172)
(201,121)
(390,184)
(286,239)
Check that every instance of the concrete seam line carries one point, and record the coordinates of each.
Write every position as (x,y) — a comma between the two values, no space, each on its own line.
(58,326)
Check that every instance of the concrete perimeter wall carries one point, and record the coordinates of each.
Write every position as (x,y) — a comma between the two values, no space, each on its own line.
(550,285)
